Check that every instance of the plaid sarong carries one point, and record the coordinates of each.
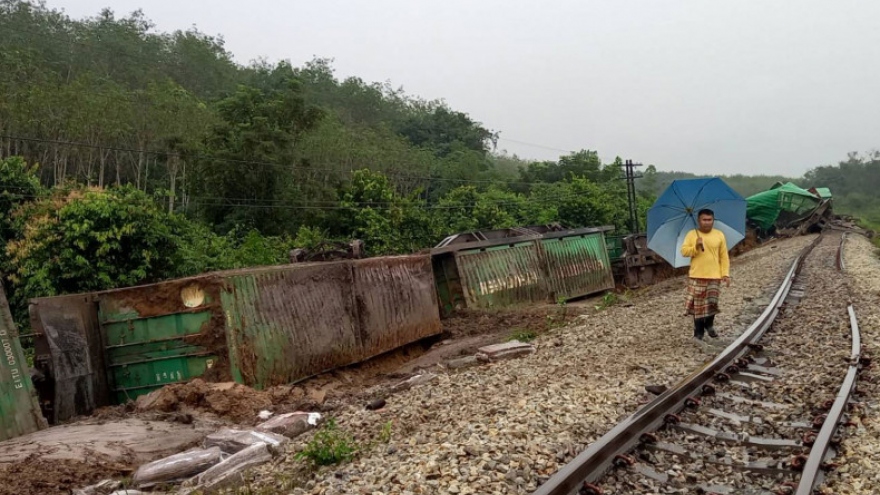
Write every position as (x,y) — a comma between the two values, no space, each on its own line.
(702,297)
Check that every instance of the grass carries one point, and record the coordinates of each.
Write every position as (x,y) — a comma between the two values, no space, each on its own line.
(608,300)
(612,298)
(523,335)
(330,445)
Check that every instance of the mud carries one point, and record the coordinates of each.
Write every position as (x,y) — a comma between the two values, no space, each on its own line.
(531,319)
(225,401)
(60,458)
(36,476)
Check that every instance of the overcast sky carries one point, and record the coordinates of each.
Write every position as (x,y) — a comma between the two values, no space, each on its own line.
(748,86)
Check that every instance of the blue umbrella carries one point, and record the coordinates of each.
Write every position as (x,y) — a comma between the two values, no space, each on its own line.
(674,214)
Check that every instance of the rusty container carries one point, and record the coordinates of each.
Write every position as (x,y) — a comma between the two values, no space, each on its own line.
(396,302)
(69,356)
(475,271)
(576,264)
(504,275)
(287,323)
(260,327)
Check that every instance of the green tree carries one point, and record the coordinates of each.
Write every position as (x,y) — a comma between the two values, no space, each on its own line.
(584,163)
(583,203)
(438,128)
(466,209)
(19,185)
(256,126)
(371,210)
(84,240)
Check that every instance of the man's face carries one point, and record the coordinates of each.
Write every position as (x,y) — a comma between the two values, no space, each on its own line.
(706,222)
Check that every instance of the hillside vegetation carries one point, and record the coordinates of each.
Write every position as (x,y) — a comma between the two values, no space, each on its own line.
(129,155)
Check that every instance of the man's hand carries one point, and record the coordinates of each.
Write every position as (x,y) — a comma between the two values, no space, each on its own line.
(700,243)
(726,280)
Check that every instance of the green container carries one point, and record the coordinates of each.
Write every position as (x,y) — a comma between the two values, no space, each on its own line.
(495,273)
(144,354)
(260,327)
(614,245)
(504,275)
(576,265)
(19,411)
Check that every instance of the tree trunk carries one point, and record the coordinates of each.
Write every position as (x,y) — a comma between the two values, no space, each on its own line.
(139,166)
(173,164)
(118,167)
(90,162)
(102,166)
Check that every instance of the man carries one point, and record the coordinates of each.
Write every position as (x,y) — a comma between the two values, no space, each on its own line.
(710,265)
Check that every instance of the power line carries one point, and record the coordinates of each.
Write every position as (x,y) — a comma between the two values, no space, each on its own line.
(523,201)
(340,205)
(502,138)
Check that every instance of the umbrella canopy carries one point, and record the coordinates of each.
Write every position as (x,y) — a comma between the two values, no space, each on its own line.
(674,214)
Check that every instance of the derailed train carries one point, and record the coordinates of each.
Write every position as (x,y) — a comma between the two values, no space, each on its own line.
(273,325)
(280,324)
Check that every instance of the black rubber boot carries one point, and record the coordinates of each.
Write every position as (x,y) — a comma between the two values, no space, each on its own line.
(699,328)
(709,326)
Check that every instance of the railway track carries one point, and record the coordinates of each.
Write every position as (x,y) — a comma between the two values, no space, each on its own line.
(763,417)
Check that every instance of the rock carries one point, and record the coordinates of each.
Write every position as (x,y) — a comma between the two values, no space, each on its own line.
(507,350)
(463,362)
(414,381)
(656,389)
(376,404)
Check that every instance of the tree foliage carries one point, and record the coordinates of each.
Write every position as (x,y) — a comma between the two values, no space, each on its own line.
(160,157)
(87,239)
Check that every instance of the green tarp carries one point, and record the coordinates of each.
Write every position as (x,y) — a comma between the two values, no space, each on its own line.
(765,207)
(823,192)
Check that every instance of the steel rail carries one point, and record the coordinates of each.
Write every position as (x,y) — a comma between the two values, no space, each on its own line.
(592,463)
(813,468)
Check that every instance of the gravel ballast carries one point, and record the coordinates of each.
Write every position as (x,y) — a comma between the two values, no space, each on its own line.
(808,346)
(503,428)
(859,460)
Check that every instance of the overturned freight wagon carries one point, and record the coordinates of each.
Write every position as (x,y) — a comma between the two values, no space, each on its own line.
(260,327)
(19,412)
(507,267)
(787,209)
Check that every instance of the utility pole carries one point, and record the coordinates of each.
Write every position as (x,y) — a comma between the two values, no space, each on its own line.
(629,168)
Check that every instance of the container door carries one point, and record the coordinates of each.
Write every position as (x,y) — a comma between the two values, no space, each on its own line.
(147,353)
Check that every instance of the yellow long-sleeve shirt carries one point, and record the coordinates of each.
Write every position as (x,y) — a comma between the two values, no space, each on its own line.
(712,261)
